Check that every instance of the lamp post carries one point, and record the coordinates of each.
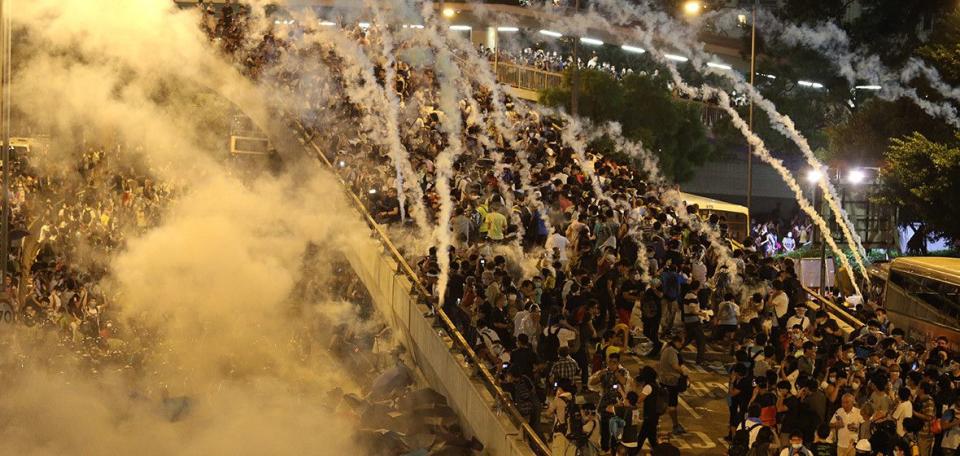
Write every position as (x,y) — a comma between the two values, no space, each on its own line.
(753,74)
(813,177)
(575,77)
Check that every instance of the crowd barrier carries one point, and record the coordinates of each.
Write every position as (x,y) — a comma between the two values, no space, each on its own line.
(441,353)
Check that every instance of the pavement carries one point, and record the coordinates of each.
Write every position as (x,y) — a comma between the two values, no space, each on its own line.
(703,408)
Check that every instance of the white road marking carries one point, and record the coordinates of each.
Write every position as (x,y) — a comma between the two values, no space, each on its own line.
(686,406)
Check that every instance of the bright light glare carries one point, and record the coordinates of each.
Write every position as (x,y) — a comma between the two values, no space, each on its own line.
(676,58)
(591,41)
(413,26)
(869,87)
(551,33)
(719,66)
(449,12)
(742,18)
(372,191)
(328,23)
(460,28)
(856,176)
(814,176)
(364,25)
(815,85)
(692,7)
(635,49)
(508,29)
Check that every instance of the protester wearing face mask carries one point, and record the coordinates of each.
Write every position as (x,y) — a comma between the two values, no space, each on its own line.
(796,447)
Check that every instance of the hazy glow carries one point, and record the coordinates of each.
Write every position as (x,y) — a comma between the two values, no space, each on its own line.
(551,33)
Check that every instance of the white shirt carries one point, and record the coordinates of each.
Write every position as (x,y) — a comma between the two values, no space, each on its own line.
(560,242)
(845,437)
(698,271)
(780,304)
(565,335)
(754,430)
(903,410)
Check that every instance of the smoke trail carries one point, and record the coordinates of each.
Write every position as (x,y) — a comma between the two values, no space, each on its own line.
(658,24)
(398,151)
(783,124)
(360,85)
(833,43)
(505,128)
(448,74)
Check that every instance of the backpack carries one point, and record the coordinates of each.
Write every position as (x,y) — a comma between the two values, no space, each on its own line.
(550,345)
(741,441)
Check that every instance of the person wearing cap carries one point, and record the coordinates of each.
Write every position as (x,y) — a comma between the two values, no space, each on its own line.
(863,448)
(800,318)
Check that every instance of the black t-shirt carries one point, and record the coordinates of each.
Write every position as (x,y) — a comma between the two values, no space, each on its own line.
(524,359)
(629,286)
(745,386)
(791,419)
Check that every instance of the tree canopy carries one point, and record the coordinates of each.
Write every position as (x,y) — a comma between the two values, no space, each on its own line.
(922,178)
(647,111)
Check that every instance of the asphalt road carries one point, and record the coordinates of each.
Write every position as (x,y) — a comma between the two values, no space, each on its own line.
(703,409)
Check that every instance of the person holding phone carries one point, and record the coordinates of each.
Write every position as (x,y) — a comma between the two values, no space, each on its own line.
(846,423)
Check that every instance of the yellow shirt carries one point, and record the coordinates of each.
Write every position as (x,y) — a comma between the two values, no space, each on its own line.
(496,224)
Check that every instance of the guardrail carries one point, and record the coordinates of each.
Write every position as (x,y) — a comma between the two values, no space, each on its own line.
(527,77)
(847,323)
(422,296)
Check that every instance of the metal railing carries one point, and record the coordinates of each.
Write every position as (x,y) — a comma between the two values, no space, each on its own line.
(487,377)
(527,77)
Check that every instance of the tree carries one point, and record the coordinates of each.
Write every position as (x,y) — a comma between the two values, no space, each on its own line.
(863,138)
(648,112)
(922,178)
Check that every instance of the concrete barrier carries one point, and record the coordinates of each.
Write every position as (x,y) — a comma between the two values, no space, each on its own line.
(447,372)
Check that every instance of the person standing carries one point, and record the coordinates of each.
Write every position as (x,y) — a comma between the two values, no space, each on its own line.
(692,325)
(672,373)
(846,423)
(649,392)
(651,309)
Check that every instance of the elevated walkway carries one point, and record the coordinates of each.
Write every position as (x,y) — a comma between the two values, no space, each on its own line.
(442,354)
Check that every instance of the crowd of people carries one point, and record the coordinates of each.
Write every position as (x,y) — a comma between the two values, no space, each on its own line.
(66,220)
(564,264)
(552,61)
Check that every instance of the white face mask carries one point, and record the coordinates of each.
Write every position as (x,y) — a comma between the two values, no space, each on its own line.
(796,446)
(855,385)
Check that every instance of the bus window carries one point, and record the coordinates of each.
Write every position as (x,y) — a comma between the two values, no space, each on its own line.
(943,297)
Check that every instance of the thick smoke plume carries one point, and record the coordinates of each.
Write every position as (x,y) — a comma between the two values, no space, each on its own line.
(209,293)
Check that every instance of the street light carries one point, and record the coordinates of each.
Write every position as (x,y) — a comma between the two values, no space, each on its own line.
(449,12)
(856,176)
(814,176)
(692,7)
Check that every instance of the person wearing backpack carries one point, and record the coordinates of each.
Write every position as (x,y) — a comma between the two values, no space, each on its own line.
(746,434)
(655,402)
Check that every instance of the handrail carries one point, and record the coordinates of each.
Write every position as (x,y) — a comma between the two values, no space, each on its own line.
(530,435)
(836,312)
